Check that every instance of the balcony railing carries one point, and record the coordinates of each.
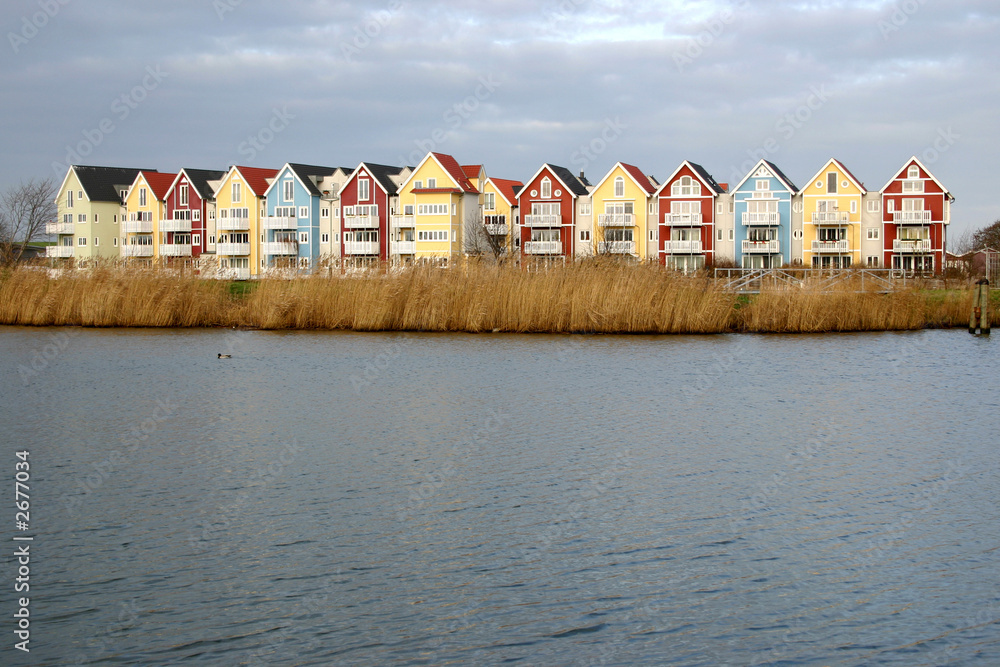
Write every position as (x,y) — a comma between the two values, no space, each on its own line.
(137,226)
(281,248)
(543,247)
(183,226)
(543,221)
(232,224)
(232,249)
(831,217)
(59,251)
(361,247)
(279,222)
(175,249)
(911,217)
(616,247)
(402,221)
(360,222)
(242,273)
(58,227)
(496,228)
(682,219)
(769,247)
(768,219)
(682,247)
(403,247)
(137,251)
(831,246)
(616,220)
(911,245)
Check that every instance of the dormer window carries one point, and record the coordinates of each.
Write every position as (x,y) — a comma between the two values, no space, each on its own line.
(546,188)
(619,187)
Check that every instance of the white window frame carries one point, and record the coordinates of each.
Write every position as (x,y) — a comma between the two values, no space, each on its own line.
(619,187)
(364,189)
(237,192)
(874,206)
(184,195)
(546,188)
(873,234)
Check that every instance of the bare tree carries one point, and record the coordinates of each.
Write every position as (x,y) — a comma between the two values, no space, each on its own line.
(987,237)
(477,239)
(24,210)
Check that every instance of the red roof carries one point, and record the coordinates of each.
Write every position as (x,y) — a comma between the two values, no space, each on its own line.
(640,177)
(472,170)
(256,178)
(159,183)
(507,188)
(455,171)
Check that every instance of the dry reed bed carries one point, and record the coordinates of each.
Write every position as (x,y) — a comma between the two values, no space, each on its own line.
(585,297)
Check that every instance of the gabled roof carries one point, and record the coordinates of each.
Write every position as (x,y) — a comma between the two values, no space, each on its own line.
(104,183)
(159,183)
(773,168)
(255,177)
(839,165)
(640,179)
(508,189)
(382,173)
(450,167)
(915,160)
(472,170)
(199,178)
(700,173)
(304,172)
(564,176)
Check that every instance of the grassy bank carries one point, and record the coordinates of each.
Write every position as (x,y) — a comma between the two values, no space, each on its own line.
(582,297)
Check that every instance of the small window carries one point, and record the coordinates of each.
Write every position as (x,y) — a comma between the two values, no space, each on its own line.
(325,212)
(82,217)
(718,209)
(69,199)
(325,238)
(797,207)
(97,241)
(454,209)
(873,234)
(652,234)
(872,261)
(304,212)
(873,206)
(619,187)
(288,189)
(184,195)
(142,196)
(652,208)
(79,195)
(584,234)
(96,219)
(211,239)
(82,240)
(719,235)
(304,237)
(831,183)
(913,171)
(797,234)
(730,234)
(546,188)
(197,215)
(890,205)
(489,201)
(584,209)
(114,241)
(237,193)
(196,239)
(431,184)
(763,185)
(418,185)
(364,190)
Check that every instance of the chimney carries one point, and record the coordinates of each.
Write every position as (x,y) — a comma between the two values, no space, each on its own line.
(581,175)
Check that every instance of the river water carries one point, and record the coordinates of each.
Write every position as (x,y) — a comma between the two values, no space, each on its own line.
(420,499)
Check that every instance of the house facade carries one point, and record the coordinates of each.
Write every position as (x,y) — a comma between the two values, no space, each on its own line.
(239,207)
(295,210)
(500,211)
(916,212)
(626,206)
(687,204)
(833,204)
(146,210)
(184,232)
(368,200)
(762,221)
(549,206)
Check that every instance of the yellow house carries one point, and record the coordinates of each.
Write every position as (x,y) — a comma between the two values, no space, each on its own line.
(436,203)
(239,206)
(145,208)
(500,210)
(625,205)
(831,218)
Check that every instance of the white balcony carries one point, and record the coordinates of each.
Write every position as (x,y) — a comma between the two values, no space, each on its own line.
(681,219)
(232,249)
(275,222)
(543,221)
(616,220)
(496,229)
(403,247)
(682,247)
(175,249)
(281,248)
(361,247)
(59,251)
(767,219)
(59,228)
(831,246)
(911,217)
(543,247)
(137,251)
(616,248)
(232,224)
(768,247)
(242,273)
(402,221)
(911,245)
(831,217)
(137,227)
(360,222)
(183,226)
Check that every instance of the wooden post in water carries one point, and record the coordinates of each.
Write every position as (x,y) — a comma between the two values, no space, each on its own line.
(980,308)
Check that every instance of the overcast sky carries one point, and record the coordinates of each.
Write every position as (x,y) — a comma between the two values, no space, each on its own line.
(580,83)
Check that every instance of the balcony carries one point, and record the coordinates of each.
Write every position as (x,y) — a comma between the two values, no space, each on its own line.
(616,248)
(681,219)
(361,247)
(242,273)
(543,247)
(766,219)
(274,222)
(831,246)
(831,218)
(232,249)
(59,251)
(175,249)
(137,251)
(183,226)
(137,227)
(911,245)
(766,247)
(682,247)
(360,222)
(402,221)
(403,247)
(281,248)
(232,224)
(543,221)
(616,220)
(911,217)
(58,227)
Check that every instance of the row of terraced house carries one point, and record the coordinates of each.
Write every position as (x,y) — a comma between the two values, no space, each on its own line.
(250,221)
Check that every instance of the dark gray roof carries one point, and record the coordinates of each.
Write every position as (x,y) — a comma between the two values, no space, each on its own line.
(579,187)
(383,172)
(707,177)
(777,172)
(104,183)
(199,179)
(304,171)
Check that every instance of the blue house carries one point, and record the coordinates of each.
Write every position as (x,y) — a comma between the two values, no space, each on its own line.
(762,204)
(291,226)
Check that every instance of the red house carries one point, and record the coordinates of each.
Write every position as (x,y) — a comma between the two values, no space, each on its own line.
(183,230)
(367,201)
(687,218)
(916,212)
(547,205)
